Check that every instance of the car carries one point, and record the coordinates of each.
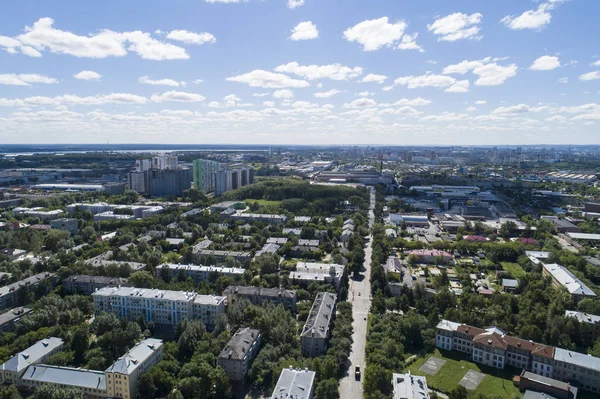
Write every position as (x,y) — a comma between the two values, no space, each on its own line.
(365,318)
(357,373)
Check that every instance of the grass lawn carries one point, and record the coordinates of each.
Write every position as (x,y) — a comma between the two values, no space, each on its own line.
(263,202)
(514,269)
(496,382)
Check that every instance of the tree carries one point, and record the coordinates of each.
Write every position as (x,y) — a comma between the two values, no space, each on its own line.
(268,263)
(142,279)
(80,343)
(327,389)
(10,392)
(459,392)
(146,387)
(508,229)
(54,392)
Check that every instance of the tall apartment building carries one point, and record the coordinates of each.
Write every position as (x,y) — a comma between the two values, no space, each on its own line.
(295,383)
(316,331)
(123,376)
(161,182)
(236,356)
(231,179)
(494,348)
(161,307)
(14,368)
(142,165)
(200,273)
(204,174)
(259,296)
(70,225)
(165,161)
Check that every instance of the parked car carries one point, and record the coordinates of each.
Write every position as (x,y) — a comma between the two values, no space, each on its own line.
(357,373)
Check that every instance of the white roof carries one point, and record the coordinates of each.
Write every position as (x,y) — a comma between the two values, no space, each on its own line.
(579,359)
(296,384)
(538,254)
(32,355)
(127,363)
(568,280)
(583,317)
(408,386)
(584,236)
(448,325)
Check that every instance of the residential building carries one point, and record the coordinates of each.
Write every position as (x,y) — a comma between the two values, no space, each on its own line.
(562,277)
(200,273)
(316,331)
(494,348)
(161,307)
(409,220)
(268,248)
(204,174)
(165,161)
(258,296)
(161,182)
(408,386)
(529,381)
(307,272)
(91,383)
(591,320)
(12,370)
(94,208)
(430,255)
(87,285)
(227,205)
(294,383)
(66,224)
(221,256)
(237,355)
(10,319)
(277,240)
(226,180)
(12,295)
(509,284)
(246,217)
(122,377)
(38,213)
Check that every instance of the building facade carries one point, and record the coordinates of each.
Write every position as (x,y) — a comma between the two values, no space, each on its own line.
(87,285)
(237,355)
(204,174)
(317,329)
(12,295)
(14,368)
(200,273)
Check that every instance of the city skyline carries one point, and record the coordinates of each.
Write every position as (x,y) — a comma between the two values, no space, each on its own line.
(299,72)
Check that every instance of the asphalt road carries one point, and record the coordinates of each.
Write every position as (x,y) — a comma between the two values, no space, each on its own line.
(360,296)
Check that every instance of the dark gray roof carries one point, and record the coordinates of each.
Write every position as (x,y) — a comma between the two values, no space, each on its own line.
(319,319)
(239,345)
(87,279)
(537,395)
(13,314)
(258,291)
(25,282)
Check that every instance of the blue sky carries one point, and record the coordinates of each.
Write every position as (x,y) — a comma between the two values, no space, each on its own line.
(300,71)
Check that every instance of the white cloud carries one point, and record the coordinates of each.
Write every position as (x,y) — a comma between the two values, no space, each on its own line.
(285,93)
(409,42)
(405,101)
(518,109)
(177,96)
(30,51)
(427,80)
(445,117)
(490,73)
(327,94)
(590,76)
(87,75)
(161,82)
(457,26)
(563,80)
(361,103)
(24,79)
(374,78)
(198,81)
(268,80)
(532,19)
(480,102)
(597,63)
(43,36)
(461,86)
(69,99)
(545,63)
(191,37)
(269,104)
(312,72)
(305,31)
(260,94)
(376,33)
(295,3)
(556,118)
(229,101)
(471,109)
(304,105)
(365,94)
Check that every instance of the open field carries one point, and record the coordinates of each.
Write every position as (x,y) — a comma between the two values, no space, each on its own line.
(514,269)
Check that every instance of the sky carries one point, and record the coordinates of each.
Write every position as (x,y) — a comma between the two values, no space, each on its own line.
(379,72)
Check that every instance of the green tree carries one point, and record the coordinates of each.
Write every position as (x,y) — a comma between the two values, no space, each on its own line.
(54,392)
(142,279)
(80,343)
(327,389)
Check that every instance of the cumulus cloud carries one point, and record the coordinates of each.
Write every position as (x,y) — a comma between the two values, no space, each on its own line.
(284,93)
(305,31)
(563,80)
(590,76)
(374,78)
(490,73)
(376,33)
(295,3)
(361,103)
(532,19)
(518,109)
(229,101)
(327,94)
(87,75)
(177,96)
(42,36)
(70,100)
(24,79)
(312,72)
(405,101)
(409,42)
(461,86)
(545,63)
(191,37)
(160,82)
(268,80)
(597,63)
(457,26)
(365,94)
(480,102)
(427,80)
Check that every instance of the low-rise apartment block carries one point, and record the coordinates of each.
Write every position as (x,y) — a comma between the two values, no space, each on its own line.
(15,367)
(87,285)
(246,217)
(161,307)
(10,319)
(590,320)
(258,296)
(562,277)
(123,376)
(221,256)
(200,273)
(494,348)
(307,272)
(91,383)
(66,224)
(408,386)
(236,356)
(295,383)
(11,295)
(317,329)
